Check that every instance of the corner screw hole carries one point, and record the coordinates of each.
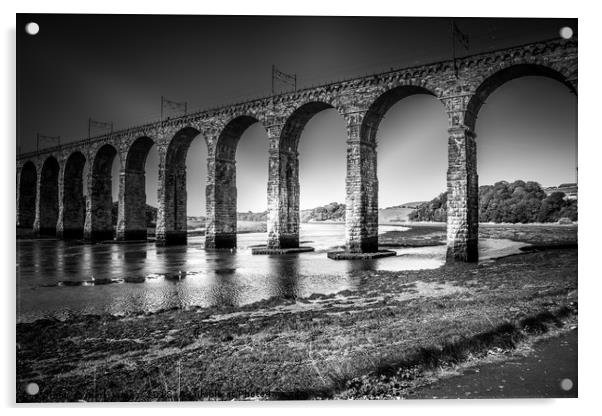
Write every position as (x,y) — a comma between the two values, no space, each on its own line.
(32,389)
(566,32)
(566,384)
(32,28)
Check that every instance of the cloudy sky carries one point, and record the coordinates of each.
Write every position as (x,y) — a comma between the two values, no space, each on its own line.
(116,68)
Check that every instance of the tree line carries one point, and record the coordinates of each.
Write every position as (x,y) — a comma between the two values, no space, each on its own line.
(516,202)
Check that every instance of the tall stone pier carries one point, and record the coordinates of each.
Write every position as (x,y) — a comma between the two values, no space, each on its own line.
(99,223)
(131,217)
(171,213)
(72,206)
(283,199)
(361,189)
(462,196)
(221,204)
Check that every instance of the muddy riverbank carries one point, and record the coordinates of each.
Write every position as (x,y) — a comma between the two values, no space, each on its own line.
(380,340)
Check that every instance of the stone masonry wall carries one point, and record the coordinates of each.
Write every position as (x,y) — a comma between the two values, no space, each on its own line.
(222,230)
(131,223)
(361,187)
(171,216)
(283,200)
(26,196)
(462,196)
(47,201)
(99,224)
(72,210)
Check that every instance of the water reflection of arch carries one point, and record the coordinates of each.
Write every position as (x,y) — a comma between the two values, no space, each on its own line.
(225,288)
(131,263)
(170,260)
(46,255)
(284,276)
(101,262)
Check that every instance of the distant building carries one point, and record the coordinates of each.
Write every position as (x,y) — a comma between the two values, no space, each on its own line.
(569,189)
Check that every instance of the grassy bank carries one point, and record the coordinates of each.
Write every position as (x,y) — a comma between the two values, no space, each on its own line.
(379,341)
(428,234)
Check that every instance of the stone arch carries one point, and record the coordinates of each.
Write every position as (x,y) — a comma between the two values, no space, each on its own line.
(48,207)
(227,141)
(137,153)
(462,176)
(28,179)
(171,216)
(99,223)
(283,184)
(382,104)
(362,182)
(221,190)
(178,146)
(502,76)
(73,209)
(296,121)
(131,222)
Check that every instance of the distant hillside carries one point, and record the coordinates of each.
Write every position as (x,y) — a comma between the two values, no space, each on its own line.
(336,212)
(395,214)
(330,212)
(411,205)
(516,202)
(252,216)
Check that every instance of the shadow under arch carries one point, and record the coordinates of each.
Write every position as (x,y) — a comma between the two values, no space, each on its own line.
(99,222)
(221,192)
(283,185)
(172,201)
(503,76)
(73,204)
(131,223)
(27,195)
(49,197)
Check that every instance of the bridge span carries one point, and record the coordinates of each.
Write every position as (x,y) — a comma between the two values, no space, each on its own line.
(50,197)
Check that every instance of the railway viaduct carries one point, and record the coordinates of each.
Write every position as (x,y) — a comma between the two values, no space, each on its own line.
(50,182)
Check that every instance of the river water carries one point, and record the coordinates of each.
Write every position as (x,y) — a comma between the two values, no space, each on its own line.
(55,278)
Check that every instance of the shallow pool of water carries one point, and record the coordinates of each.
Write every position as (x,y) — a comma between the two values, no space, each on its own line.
(55,278)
